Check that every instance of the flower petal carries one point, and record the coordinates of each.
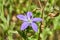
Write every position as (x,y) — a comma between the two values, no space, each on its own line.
(34,26)
(22,17)
(24,25)
(36,19)
(29,14)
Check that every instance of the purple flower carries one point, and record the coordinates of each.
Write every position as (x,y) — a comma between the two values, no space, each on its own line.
(28,20)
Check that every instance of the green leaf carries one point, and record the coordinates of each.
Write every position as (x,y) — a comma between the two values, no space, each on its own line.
(45,33)
(56,22)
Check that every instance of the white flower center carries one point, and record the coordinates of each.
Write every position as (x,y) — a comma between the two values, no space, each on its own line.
(29,20)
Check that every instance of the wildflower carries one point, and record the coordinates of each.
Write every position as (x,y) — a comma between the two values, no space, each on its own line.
(28,20)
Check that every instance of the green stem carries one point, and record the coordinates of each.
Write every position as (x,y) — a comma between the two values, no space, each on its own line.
(42,16)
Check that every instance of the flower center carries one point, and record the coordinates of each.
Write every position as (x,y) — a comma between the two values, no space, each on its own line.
(29,20)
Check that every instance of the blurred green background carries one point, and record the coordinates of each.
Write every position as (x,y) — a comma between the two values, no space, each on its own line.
(48,10)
